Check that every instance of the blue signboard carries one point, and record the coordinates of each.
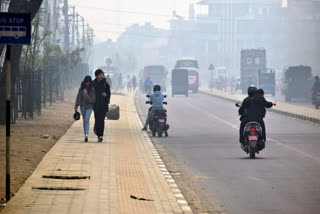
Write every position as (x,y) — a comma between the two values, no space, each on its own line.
(15,28)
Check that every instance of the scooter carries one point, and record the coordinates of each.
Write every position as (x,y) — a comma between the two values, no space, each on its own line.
(158,123)
(253,140)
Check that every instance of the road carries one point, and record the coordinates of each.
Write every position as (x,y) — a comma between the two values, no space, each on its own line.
(285,177)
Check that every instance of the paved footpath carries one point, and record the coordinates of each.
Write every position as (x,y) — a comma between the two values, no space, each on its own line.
(101,177)
(287,109)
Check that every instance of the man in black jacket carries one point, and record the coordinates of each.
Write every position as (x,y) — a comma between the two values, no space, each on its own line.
(254,109)
(100,107)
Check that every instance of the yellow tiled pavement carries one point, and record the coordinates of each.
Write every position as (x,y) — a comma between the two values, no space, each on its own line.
(286,107)
(120,166)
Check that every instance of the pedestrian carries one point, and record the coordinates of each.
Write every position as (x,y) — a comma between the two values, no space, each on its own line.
(120,82)
(100,107)
(85,99)
(108,79)
(134,82)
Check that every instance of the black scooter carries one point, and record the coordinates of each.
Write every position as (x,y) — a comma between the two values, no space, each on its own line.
(158,123)
(253,140)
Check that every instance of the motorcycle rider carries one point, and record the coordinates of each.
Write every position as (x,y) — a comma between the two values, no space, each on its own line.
(253,109)
(157,103)
(315,88)
(242,111)
(148,84)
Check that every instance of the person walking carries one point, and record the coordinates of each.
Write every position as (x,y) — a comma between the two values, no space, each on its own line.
(86,98)
(100,107)
(134,82)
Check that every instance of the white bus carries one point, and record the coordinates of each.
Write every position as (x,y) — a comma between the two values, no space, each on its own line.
(13,31)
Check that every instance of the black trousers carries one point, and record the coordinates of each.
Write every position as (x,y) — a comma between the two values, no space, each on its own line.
(243,124)
(99,116)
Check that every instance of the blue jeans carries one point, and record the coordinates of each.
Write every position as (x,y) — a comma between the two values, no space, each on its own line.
(86,113)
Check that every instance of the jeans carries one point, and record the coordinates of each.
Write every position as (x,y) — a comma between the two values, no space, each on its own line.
(86,113)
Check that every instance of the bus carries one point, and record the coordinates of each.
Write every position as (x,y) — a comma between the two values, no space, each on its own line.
(13,31)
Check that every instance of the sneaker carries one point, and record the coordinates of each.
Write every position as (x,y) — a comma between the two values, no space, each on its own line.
(100,139)
(86,139)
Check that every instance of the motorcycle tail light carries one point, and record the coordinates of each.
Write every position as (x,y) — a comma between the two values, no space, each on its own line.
(253,128)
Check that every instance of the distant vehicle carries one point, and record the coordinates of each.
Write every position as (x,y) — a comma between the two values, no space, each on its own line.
(221,72)
(253,61)
(158,75)
(297,82)
(267,81)
(180,82)
(192,66)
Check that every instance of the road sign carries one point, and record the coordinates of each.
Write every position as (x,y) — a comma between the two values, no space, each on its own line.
(108,61)
(211,67)
(15,28)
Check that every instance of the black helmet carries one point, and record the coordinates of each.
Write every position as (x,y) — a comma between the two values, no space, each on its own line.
(76,115)
(157,88)
(252,91)
(260,91)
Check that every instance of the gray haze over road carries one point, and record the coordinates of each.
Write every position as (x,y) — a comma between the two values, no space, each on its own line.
(285,177)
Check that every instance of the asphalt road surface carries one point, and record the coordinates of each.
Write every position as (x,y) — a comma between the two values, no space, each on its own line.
(284,178)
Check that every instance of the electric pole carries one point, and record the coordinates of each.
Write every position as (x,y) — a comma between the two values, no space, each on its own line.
(66,26)
(73,25)
(78,34)
(83,33)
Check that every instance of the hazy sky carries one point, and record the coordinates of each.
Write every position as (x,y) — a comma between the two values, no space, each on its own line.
(110,18)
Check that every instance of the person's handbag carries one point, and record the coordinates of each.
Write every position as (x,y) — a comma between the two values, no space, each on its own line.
(76,115)
(113,113)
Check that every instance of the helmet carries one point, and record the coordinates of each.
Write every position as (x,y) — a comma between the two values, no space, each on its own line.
(76,115)
(157,88)
(252,91)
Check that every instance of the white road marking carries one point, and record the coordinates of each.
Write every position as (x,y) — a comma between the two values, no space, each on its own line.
(302,153)
(295,150)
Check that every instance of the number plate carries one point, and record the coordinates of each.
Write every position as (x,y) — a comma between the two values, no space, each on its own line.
(252,138)
(161,120)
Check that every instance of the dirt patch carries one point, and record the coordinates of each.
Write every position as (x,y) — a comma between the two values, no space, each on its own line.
(32,139)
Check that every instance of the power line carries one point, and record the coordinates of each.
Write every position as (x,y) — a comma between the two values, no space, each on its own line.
(186,18)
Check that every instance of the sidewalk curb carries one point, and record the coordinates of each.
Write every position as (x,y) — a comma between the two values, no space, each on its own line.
(186,209)
(284,113)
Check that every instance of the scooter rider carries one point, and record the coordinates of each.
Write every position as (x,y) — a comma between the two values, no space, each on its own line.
(148,84)
(242,112)
(157,103)
(254,110)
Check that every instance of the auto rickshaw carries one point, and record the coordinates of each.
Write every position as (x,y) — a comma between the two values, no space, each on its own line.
(180,82)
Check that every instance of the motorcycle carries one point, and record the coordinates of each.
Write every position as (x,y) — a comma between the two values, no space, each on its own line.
(253,140)
(158,123)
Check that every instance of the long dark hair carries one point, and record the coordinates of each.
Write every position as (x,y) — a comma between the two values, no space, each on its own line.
(83,84)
